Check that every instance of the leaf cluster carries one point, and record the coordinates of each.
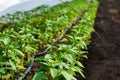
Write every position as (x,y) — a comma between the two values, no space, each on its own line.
(29,32)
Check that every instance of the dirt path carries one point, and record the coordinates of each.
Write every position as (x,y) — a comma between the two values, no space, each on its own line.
(108,26)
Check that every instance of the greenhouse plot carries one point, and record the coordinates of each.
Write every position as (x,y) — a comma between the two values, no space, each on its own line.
(55,37)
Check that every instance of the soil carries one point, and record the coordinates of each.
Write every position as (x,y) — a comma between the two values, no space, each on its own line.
(104,53)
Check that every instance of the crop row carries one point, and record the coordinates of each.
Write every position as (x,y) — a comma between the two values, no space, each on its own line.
(27,33)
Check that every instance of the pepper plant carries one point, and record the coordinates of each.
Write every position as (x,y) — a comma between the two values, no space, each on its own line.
(29,32)
(63,61)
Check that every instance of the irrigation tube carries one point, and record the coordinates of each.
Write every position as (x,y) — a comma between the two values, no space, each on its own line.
(74,23)
(29,68)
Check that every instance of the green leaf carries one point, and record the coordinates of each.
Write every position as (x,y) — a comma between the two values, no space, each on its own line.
(13,65)
(39,76)
(18,52)
(54,72)
(29,49)
(69,58)
(85,56)
(79,64)
(4,63)
(79,70)
(20,67)
(48,56)
(68,76)
(2,70)
(43,68)
(82,74)
(6,40)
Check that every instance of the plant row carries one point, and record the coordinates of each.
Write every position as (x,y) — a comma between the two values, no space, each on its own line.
(27,33)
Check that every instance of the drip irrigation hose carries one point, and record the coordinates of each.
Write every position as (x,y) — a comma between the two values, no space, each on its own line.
(74,23)
(29,67)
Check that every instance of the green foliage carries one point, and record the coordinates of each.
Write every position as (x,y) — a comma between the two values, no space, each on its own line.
(63,60)
(28,32)
(39,76)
